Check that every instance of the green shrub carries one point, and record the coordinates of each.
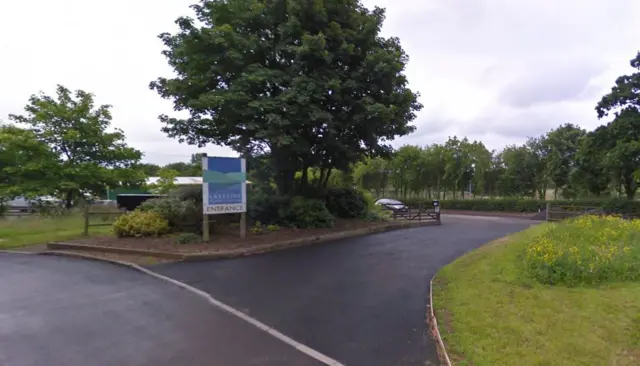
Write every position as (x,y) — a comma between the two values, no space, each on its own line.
(182,215)
(139,223)
(306,213)
(188,238)
(379,215)
(266,209)
(273,228)
(585,250)
(345,202)
(258,228)
(188,193)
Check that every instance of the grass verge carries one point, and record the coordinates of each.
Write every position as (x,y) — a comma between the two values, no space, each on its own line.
(490,312)
(32,230)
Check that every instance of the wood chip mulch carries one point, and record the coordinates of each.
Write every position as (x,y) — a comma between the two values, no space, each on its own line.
(222,238)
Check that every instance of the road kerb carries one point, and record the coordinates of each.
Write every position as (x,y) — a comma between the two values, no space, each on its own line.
(442,350)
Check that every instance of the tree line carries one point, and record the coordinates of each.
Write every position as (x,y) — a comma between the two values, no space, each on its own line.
(568,159)
(311,95)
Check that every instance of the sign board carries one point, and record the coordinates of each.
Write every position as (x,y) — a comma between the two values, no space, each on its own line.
(224,188)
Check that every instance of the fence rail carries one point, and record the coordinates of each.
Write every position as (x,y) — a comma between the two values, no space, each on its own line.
(105,214)
(413,213)
(18,214)
(563,212)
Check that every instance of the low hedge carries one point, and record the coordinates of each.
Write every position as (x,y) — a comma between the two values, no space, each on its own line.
(530,205)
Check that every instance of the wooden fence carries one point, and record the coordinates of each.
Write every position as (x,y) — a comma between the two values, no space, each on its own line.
(562,212)
(18,214)
(414,213)
(99,215)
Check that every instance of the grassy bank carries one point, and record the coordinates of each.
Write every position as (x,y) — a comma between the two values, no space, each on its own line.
(493,308)
(23,231)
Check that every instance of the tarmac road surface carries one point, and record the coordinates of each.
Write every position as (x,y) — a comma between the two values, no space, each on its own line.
(360,301)
(58,311)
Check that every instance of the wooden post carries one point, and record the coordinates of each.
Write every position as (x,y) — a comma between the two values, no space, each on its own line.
(205,227)
(546,213)
(86,220)
(243,225)
(205,217)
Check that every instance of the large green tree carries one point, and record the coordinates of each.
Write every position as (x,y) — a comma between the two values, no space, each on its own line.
(149,170)
(591,175)
(521,166)
(373,174)
(312,82)
(91,155)
(625,94)
(562,146)
(27,165)
(623,133)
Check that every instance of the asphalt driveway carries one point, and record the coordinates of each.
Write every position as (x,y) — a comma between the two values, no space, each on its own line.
(361,301)
(69,312)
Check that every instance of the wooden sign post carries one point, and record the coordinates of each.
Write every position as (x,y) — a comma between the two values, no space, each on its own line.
(224,190)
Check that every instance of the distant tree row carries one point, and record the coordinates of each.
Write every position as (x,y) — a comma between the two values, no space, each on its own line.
(573,161)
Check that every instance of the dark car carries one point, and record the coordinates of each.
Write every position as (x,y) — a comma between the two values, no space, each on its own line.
(391,204)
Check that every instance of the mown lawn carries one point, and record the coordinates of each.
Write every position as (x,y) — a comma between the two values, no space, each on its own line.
(491,313)
(23,231)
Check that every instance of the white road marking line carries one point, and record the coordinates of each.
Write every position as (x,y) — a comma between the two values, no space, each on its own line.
(295,344)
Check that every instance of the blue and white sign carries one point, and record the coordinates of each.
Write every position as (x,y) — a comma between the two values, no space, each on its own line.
(224,185)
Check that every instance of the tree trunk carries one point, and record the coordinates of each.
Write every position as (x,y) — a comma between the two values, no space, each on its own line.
(629,188)
(304,179)
(326,178)
(68,201)
(284,167)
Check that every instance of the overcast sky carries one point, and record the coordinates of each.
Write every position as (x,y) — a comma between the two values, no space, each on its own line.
(492,70)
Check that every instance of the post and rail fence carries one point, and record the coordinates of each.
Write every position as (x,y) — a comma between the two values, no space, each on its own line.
(556,213)
(105,216)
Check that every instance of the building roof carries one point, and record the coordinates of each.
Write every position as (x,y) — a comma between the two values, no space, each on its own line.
(180,181)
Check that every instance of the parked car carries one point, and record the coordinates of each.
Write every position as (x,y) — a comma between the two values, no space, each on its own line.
(391,204)
(24,204)
(20,204)
(48,201)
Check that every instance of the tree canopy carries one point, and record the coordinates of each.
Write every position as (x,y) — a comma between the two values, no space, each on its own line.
(80,151)
(621,137)
(27,165)
(311,82)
